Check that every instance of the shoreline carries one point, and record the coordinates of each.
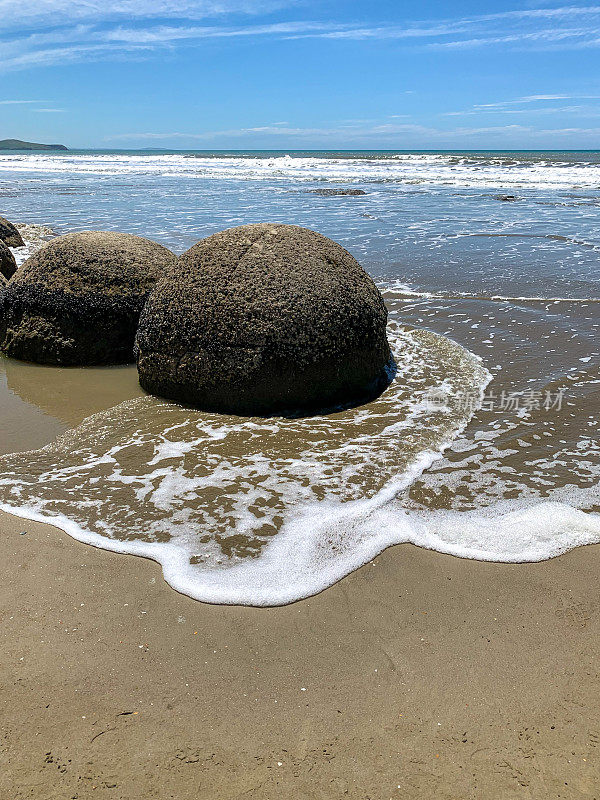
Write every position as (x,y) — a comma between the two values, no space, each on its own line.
(234,587)
(446,677)
(418,675)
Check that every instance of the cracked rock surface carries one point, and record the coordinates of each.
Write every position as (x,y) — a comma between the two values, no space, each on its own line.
(264,318)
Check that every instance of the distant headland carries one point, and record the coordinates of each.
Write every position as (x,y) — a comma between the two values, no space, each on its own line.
(17,144)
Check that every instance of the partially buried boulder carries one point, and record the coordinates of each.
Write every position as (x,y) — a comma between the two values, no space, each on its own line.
(77,301)
(9,234)
(8,265)
(264,318)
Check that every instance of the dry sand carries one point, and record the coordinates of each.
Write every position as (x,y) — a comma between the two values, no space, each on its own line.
(419,676)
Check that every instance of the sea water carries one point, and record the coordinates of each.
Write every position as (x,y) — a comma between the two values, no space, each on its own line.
(484,446)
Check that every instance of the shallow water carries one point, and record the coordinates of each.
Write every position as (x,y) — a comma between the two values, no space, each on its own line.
(265,512)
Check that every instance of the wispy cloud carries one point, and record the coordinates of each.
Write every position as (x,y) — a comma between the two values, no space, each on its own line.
(46,32)
(24,13)
(19,102)
(339,134)
(90,43)
(164,34)
(533,98)
(534,104)
(342,129)
(572,38)
(516,26)
(65,55)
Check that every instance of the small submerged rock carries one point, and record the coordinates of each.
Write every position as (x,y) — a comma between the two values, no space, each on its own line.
(264,318)
(9,234)
(77,300)
(338,192)
(506,198)
(8,264)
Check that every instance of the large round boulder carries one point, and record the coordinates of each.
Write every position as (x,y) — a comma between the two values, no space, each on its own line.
(264,318)
(8,265)
(77,301)
(3,285)
(9,234)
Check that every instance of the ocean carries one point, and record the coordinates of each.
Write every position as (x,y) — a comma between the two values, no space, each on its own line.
(484,446)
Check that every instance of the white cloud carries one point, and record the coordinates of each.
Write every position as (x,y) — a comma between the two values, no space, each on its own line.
(23,13)
(532,98)
(89,43)
(450,27)
(544,13)
(64,55)
(274,129)
(339,134)
(92,30)
(573,38)
(532,104)
(165,34)
(392,31)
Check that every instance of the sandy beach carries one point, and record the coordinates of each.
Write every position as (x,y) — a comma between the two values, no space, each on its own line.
(299,400)
(419,676)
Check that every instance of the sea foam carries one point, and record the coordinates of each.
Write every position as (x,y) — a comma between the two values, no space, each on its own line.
(34,237)
(323,543)
(268,511)
(426,169)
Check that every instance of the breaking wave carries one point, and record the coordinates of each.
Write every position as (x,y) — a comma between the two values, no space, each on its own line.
(426,169)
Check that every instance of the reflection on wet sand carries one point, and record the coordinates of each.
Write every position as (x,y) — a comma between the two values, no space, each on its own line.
(38,403)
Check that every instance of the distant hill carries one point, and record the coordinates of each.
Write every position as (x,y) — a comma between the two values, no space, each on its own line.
(17,144)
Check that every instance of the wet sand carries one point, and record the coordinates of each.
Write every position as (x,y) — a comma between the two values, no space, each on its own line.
(38,403)
(419,676)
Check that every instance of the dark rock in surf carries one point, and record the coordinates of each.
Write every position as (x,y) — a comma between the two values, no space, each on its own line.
(505,198)
(338,192)
(264,318)
(9,234)
(8,265)
(77,301)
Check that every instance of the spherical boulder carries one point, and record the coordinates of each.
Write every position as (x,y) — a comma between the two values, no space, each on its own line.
(264,318)
(3,285)
(8,265)
(9,234)
(77,301)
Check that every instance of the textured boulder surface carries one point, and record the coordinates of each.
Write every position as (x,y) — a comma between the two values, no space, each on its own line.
(77,301)
(264,318)
(9,234)
(3,285)
(8,265)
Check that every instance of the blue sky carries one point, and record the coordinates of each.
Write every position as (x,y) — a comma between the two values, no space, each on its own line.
(295,74)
